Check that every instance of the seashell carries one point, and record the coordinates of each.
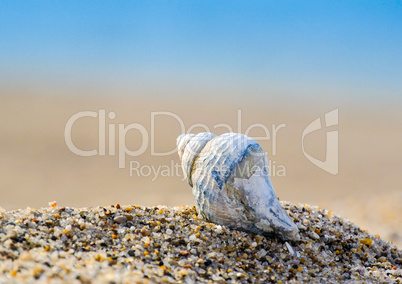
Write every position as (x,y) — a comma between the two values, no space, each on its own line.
(230,180)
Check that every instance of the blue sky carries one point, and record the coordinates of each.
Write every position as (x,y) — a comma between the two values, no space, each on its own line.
(351,48)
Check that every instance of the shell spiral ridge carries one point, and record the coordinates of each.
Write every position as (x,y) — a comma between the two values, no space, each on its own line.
(230,181)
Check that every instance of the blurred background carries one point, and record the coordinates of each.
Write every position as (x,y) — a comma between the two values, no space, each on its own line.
(203,62)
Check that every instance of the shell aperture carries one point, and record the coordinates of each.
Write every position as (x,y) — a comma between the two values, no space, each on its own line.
(230,181)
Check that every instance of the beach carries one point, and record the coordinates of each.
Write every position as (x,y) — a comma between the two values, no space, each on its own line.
(93,98)
(159,244)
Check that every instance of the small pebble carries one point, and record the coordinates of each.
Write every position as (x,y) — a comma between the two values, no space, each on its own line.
(314,235)
(290,249)
(120,219)
(145,232)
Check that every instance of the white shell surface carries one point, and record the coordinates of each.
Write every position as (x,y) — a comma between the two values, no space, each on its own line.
(191,151)
(231,184)
(182,141)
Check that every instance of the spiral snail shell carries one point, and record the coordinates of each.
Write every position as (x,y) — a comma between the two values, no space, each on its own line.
(231,184)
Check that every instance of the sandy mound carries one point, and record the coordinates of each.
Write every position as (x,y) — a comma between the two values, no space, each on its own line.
(126,244)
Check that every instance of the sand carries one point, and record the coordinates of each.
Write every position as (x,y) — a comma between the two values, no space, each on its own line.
(133,244)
